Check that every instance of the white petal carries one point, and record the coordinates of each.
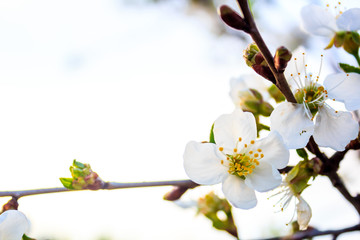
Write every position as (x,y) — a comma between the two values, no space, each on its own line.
(334,130)
(238,193)
(202,163)
(13,225)
(344,88)
(263,178)
(303,213)
(291,121)
(228,128)
(349,20)
(274,150)
(318,21)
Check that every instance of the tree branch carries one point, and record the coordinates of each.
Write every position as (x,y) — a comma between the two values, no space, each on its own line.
(340,186)
(281,82)
(106,186)
(315,233)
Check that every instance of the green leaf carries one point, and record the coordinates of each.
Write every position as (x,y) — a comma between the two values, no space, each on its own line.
(212,138)
(67,182)
(302,153)
(78,164)
(348,68)
(24,237)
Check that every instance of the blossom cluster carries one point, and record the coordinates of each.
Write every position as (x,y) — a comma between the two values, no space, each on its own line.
(235,157)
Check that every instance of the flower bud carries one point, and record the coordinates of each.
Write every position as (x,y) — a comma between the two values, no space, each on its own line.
(266,109)
(13,225)
(282,57)
(232,18)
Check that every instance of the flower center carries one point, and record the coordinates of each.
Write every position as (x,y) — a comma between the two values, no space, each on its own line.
(309,92)
(312,96)
(244,162)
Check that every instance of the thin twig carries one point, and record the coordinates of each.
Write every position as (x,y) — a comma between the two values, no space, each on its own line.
(315,233)
(340,186)
(281,82)
(106,186)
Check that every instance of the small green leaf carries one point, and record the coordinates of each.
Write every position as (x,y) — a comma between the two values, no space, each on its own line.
(78,164)
(24,237)
(67,182)
(212,138)
(348,68)
(302,153)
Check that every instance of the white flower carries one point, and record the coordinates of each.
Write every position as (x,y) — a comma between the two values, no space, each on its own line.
(334,129)
(319,21)
(237,160)
(13,225)
(303,209)
(303,213)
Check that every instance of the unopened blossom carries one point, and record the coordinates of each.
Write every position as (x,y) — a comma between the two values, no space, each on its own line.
(312,115)
(320,21)
(237,160)
(13,225)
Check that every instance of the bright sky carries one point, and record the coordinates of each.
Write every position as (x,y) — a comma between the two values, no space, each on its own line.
(123,88)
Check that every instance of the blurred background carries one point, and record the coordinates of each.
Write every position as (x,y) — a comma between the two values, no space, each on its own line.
(124,85)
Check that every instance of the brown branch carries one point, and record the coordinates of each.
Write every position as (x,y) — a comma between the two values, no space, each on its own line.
(315,233)
(281,82)
(340,186)
(106,186)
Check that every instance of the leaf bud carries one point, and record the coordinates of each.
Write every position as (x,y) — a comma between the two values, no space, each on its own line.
(250,53)
(83,177)
(233,19)
(254,59)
